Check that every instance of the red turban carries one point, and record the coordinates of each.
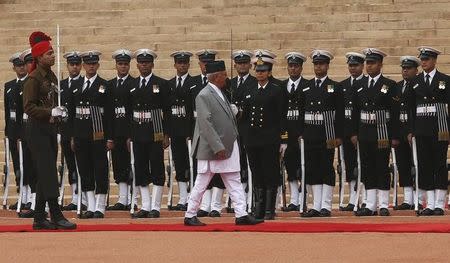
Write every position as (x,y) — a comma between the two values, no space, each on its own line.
(40,43)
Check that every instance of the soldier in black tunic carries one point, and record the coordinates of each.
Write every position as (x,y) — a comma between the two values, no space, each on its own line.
(90,118)
(150,111)
(74,79)
(403,152)
(355,62)
(264,113)
(376,116)
(322,131)
(181,122)
(239,87)
(120,89)
(429,100)
(293,87)
(12,107)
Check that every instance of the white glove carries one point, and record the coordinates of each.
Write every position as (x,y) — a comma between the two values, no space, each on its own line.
(234,109)
(59,111)
(283,147)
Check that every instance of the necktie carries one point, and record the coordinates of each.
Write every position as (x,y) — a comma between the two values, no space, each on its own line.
(292,88)
(70,83)
(372,82)
(352,80)
(119,82)
(428,80)
(241,80)
(318,83)
(19,82)
(143,83)
(179,83)
(260,88)
(405,83)
(88,84)
(205,81)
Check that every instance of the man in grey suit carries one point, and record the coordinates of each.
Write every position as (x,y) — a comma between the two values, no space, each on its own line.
(216,147)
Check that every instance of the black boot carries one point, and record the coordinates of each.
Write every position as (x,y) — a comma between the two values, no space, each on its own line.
(271,197)
(260,196)
(40,221)
(57,216)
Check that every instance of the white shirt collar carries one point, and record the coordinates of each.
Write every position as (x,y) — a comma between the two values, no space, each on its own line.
(182,78)
(91,80)
(375,79)
(244,77)
(123,78)
(263,87)
(217,90)
(75,78)
(22,79)
(321,80)
(432,73)
(146,78)
(290,81)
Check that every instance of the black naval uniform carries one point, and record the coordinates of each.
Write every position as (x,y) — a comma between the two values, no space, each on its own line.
(350,153)
(181,124)
(294,119)
(319,146)
(377,116)
(121,116)
(65,127)
(154,96)
(239,87)
(429,106)
(264,114)
(12,98)
(90,115)
(403,151)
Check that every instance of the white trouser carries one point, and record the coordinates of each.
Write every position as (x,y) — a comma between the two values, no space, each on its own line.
(293,187)
(317,196)
(157,192)
(74,194)
(216,199)
(371,201)
(232,182)
(408,195)
(206,200)
(327,197)
(100,203)
(90,196)
(352,199)
(145,198)
(182,187)
(431,199)
(383,198)
(439,199)
(123,193)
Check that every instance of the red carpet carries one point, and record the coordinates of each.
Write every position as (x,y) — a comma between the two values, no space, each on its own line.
(265,227)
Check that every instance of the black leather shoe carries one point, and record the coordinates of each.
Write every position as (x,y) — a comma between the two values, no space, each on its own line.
(87,215)
(365,212)
(193,221)
(325,213)
(247,220)
(64,224)
(98,214)
(363,205)
(70,207)
(153,214)
(129,207)
(311,213)
(27,206)
(384,212)
(202,213)
(117,207)
(292,207)
(347,208)
(404,206)
(269,216)
(181,207)
(214,213)
(438,212)
(27,214)
(141,214)
(44,225)
(83,207)
(426,212)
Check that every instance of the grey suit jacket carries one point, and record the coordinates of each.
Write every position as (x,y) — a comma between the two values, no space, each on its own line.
(215,126)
